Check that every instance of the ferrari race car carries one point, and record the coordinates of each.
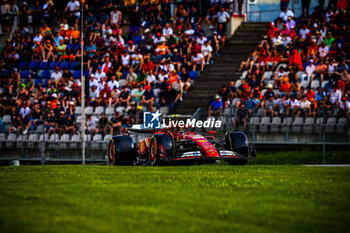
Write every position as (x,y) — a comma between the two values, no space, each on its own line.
(178,146)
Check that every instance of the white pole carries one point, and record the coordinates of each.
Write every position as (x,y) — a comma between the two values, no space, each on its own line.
(82,85)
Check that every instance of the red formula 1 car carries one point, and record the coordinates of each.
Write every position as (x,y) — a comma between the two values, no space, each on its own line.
(178,146)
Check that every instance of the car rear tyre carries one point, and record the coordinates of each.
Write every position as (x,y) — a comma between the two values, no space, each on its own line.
(121,150)
(161,146)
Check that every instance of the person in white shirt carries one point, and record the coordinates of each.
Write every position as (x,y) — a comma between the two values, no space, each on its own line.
(25,110)
(323,50)
(304,107)
(74,5)
(167,31)
(201,40)
(206,51)
(304,31)
(293,105)
(189,30)
(151,79)
(290,23)
(285,14)
(113,83)
(137,59)
(222,16)
(99,74)
(92,81)
(125,59)
(116,17)
(335,95)
(38,37)
(310,70)
(158,39)
(162,76)
(198,59)
(55,76)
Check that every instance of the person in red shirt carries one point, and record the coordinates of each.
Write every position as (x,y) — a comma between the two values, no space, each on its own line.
(342,5)
(105,95)
(310,94)
(148,65)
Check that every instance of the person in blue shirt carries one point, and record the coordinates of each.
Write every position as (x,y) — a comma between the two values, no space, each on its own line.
(215,107)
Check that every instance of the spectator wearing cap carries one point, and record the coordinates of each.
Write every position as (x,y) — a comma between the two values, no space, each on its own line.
(329,39)
(100,74)
(241,117)
(269,107)
(310,70)
(148,98)
(215,107)
(48,51)
(176,59)
(62,122)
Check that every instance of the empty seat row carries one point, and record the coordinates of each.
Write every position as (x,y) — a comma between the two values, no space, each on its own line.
(52,138)
(33,65)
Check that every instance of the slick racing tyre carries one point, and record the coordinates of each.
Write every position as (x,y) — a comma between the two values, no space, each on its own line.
(161,146)
(237,142)
(121,150)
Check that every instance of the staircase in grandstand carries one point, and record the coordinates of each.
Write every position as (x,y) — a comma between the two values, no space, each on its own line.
(225,67)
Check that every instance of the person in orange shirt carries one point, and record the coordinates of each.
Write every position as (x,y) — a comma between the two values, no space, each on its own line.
(162,48)
(75,33)
(173,77)
(285,85)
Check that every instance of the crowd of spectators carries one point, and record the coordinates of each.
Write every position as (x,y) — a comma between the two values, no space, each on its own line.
(135,58)
(299,69)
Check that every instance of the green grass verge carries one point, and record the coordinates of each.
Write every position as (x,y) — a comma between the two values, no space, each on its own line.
(208,198)
(305,156)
